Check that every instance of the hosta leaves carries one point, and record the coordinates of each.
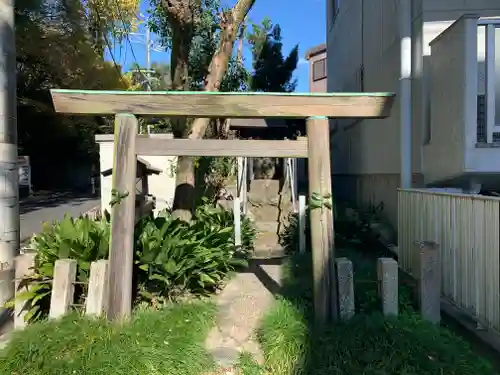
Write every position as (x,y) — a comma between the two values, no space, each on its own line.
(171,267)
(171,256)
(197,255)
(83,239)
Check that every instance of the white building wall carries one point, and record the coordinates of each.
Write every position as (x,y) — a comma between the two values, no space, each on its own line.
(452,99)
(439,15)
(366,154)
(365,33)
(161,186)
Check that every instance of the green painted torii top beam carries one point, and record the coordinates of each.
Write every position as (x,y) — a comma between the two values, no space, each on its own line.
(224,104)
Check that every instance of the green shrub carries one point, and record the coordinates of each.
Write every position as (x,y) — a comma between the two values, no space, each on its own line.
(82,239)
(171,257)
(289,237)
(175,257)
(218,216)
(349,230)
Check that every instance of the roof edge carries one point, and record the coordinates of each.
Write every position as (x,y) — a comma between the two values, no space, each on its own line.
(316,50)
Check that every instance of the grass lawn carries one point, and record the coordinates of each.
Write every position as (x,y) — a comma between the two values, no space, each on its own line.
(368,344)
(167,342)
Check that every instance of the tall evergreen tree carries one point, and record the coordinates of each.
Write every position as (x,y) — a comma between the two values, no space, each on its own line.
(272,70)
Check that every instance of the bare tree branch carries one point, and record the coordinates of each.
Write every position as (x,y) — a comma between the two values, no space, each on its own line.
(230,24)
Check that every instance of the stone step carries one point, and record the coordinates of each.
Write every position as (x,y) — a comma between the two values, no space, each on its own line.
(265,240)
(268,253)
(264,213)
(265,188)
(264,192)
(266,226)
(269,187)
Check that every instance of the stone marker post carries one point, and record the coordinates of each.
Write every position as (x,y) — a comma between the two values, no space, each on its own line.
(387,275)
(426,269)
(345,288)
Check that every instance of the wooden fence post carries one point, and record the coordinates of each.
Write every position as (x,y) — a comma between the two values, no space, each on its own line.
(427,272)
(23,264)
(387,274)
(121,252)
(63,287)
(322,241)
(98,288)
(345,282)
(302,224)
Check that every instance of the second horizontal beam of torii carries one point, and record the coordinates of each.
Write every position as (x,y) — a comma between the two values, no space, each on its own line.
(221,147)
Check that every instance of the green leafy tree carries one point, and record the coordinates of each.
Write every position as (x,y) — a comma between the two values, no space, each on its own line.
(272,70)
(54,49)
(158,77)
(201,36)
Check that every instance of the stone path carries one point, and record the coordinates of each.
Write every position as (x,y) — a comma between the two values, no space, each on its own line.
(241,305)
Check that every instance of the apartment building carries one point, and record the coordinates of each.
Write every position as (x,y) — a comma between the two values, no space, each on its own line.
(438,56)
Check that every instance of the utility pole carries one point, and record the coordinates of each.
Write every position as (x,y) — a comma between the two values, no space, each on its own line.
(148,66)
(145,38)
(148,57)
(9,174)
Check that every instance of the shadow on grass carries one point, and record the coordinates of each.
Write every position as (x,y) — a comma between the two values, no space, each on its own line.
(368,343)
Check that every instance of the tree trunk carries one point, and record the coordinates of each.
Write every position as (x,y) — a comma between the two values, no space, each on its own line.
(230,24)
(184,196)
(183,18)
(185,188)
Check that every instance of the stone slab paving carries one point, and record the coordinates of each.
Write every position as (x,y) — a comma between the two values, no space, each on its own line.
(241,305)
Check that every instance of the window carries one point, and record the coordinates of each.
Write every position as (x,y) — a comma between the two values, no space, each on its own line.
(319,69)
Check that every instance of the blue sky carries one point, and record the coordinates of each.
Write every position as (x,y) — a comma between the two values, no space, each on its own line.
(301,24)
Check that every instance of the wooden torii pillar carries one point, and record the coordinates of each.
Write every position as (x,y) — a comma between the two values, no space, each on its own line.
(316,108)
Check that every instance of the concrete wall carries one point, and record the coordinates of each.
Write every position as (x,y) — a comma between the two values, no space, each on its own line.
(450,65)
(321,84)
(162,186)
(363,55)
(363,41)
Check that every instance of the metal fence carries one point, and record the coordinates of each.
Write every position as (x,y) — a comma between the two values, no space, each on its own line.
(467,229)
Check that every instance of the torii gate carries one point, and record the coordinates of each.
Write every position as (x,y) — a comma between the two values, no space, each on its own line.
(317,108)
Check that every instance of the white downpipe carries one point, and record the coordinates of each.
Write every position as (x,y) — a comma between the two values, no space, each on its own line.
(405,100)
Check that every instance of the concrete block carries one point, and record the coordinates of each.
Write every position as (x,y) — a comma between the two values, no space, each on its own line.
(97,296)
(426,269)
(63,287)
(387,274)
(345,282)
